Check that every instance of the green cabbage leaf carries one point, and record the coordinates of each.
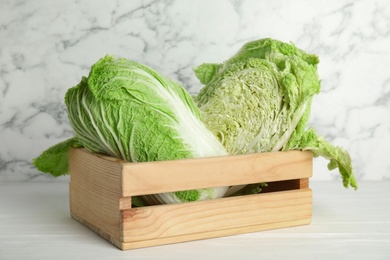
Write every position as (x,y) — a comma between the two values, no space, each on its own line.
(54,160)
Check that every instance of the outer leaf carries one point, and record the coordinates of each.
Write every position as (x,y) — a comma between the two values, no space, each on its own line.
(339,157)
(206,72)
(54,160)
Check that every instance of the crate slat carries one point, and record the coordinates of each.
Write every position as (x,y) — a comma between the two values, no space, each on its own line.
(213,234)
(169,176)
(228,213)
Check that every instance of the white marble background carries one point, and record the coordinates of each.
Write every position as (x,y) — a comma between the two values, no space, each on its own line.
(46,46)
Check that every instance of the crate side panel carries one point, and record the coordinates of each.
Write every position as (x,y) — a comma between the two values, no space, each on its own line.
(184,219)
(95,192)
(169,176)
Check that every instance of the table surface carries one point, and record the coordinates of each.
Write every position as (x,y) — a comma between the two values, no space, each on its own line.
(346,224)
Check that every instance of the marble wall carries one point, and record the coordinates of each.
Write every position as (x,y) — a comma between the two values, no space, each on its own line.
(46,46)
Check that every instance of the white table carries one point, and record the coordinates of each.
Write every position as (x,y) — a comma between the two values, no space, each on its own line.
(35,224)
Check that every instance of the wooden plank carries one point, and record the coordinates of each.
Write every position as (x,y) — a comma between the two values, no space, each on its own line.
(200,218)
(214,234)
(168,176)
(95,192)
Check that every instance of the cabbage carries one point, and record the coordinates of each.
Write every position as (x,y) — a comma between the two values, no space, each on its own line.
(127,110)
(259,100)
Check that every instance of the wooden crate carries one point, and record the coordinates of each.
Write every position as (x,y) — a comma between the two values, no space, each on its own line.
(101,189)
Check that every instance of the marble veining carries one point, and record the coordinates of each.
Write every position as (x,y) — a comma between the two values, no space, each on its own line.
(46,46)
